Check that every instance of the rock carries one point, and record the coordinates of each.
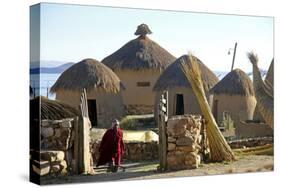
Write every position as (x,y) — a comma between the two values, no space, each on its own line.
(47,132)
(66,124)
(44,123)
(52,156)
(185,141)
(55,168)
(186,149)
(171,139)
(57,133)
(171,146)
(63,167)
(42,171)
(41,167)
(174,128)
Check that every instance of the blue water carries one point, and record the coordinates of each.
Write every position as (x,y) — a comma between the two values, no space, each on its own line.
(46,82)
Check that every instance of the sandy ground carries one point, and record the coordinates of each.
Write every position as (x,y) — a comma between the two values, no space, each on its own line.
(147,170)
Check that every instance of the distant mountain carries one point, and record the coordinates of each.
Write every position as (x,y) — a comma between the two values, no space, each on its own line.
(51,70)
(46,63)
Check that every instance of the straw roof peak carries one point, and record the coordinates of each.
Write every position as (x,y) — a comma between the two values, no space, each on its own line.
(141,53)
(143,30)
(236,82)
(173,76)
(89,74)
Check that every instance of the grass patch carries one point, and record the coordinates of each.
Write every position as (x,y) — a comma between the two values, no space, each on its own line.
(128,123)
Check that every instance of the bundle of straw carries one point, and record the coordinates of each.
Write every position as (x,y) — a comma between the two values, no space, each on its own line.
(219,148)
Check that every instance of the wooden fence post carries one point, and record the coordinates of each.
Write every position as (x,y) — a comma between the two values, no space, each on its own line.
(162,125)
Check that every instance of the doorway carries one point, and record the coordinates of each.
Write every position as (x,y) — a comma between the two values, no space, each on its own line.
(179,104)
(215,109)
(92,108)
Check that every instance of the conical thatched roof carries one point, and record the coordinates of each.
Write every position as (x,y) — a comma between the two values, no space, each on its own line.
(143,30)
(270,74)
(89,74)
(173,76)
(139,54)
(52,109)
(237,82)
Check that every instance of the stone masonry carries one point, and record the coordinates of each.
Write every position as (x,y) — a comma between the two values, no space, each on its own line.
(184,140)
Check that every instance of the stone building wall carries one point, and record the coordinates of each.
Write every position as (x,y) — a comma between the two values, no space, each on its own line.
(139,109)
(184,141)
(134,151)
(253,130)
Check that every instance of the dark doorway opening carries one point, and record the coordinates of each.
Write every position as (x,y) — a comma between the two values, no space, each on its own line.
(92,108)
(215,110)
(179,104)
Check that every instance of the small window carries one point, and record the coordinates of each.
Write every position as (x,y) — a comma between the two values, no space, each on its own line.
(143,84)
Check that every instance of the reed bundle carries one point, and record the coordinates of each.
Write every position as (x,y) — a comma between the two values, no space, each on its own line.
(219,148)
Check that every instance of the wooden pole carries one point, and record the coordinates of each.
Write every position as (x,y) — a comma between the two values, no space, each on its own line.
(233,59)
(76,146)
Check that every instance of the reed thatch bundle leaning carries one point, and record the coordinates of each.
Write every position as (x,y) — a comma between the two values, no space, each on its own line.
(263,92)
(219,148)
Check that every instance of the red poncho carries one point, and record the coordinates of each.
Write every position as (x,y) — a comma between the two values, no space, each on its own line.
(111,147)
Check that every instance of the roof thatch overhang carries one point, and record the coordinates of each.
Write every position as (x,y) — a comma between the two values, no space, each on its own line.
(52,109)
(237,82)
(173,76)
(89,74)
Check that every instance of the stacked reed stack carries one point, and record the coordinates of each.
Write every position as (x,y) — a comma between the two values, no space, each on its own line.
(219,149)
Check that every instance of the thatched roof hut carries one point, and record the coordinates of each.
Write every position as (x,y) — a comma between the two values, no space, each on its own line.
(173,76)
(237,82)
(138,64)
(52,109)
(182,99)
(89,74)
(234,96)
(103,90)
(139,54)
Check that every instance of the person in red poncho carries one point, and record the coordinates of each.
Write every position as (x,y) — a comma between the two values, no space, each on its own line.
(112,147)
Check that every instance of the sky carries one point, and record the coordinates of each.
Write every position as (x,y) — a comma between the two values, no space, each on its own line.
(70,33)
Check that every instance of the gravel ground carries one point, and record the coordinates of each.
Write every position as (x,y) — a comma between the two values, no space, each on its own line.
(147,170)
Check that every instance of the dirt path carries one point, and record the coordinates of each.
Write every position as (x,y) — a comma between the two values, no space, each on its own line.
(147,170)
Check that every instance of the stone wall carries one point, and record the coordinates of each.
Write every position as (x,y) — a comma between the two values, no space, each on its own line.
(57,134)
(134,151)
(139,109)
(51,163)
(253,129)
(184,141)
(250,142)
(57,139)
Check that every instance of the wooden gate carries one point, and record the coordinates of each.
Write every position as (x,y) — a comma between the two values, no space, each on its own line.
(82,139)
(162,126)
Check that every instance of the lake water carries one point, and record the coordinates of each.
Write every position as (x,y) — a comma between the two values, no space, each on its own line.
(46,82)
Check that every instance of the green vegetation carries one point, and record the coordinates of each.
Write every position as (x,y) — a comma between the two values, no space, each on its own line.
(137,122)
(128,123)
